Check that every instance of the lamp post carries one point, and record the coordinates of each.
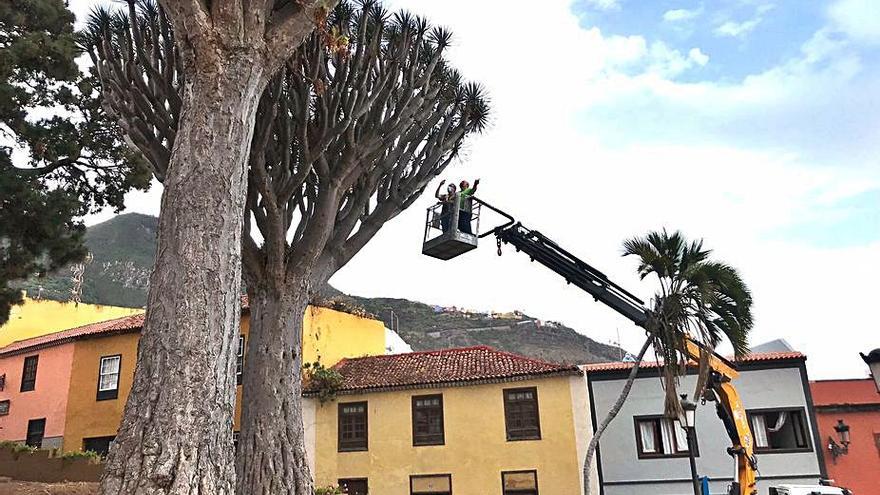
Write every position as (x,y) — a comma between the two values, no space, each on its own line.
(842,448)
(688,421)
(872,359)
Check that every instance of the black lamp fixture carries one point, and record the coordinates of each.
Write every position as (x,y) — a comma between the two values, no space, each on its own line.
(872,359)
(688,421)
(842,448)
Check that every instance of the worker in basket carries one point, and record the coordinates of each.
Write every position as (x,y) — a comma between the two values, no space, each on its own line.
(466,192)
(446,202)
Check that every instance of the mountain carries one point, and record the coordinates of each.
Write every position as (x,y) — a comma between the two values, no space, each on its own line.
(123,250)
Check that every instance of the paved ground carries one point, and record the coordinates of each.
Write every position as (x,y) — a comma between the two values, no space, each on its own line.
(26,488)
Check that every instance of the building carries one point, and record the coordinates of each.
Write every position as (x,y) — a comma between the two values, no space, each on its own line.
(642,452)
(471,421)
(856,403)
(68,389)
(37,317)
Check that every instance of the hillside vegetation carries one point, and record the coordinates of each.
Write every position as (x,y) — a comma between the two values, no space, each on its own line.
(124,248)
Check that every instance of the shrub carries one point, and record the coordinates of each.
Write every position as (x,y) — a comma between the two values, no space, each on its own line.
(328,490)
(326,380)
(82,454)
(17,448)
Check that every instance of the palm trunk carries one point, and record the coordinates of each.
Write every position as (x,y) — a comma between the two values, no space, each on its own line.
(612,413)
(176,434)
(272,456)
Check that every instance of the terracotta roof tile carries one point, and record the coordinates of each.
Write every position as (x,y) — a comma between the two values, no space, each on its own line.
(751,358)
(117,325)
(438,368)
(856,391)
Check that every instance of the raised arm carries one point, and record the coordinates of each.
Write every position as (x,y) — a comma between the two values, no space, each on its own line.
(437,192)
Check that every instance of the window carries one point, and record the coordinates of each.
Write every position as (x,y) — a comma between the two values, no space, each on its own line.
(29,373)
(4,407)
(352,426)
(108,377)
(521,414)
(657,436)
(99,445)
(354,486)
(519,483)
(239,360)
(427,419)
(431,484)
(36,430)
(235,436)
(779,430)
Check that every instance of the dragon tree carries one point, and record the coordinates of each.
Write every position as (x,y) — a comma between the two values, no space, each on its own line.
(347,135)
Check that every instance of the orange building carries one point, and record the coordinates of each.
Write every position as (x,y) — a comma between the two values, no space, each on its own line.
(856,402)
(68,389)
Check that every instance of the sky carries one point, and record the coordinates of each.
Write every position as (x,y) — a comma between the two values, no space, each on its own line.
(751,124)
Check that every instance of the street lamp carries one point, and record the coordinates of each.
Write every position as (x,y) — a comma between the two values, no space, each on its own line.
(688,421)
(842,448)
(872,359)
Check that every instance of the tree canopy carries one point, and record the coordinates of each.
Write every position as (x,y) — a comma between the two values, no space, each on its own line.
(62,157)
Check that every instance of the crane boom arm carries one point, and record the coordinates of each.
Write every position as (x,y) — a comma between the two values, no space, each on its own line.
(575,271)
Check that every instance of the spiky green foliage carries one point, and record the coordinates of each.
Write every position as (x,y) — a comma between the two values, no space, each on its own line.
(70,159)
(699,299)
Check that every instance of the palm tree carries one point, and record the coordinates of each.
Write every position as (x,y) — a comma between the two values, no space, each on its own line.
(698,299)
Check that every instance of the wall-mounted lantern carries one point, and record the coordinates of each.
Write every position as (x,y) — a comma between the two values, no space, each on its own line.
(842,448)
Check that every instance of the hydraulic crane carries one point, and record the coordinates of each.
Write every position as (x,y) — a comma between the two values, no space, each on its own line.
(720,388)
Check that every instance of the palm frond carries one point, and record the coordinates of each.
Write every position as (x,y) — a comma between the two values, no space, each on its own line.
(700,299)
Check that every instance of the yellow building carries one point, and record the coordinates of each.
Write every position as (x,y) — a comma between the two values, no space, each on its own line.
(101,371)
(466,421)
(37,317)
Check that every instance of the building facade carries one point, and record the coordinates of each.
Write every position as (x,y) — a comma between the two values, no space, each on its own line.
(33,394)
(471,421)
(38,317)
(644,453)
(855,403)
(68,389)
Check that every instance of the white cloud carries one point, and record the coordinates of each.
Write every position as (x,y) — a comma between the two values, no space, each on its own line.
(698,56)
(737,29)
(679,15)
(860,19)
(605,5)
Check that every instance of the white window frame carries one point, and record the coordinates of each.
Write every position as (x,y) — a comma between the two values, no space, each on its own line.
(239,360)
(102,373)
(672,437)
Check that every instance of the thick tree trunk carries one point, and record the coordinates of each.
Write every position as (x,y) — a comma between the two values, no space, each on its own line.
(176,434)
(271,457)
(594,442)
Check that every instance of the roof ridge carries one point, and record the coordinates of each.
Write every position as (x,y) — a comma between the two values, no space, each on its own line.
(49,338)
(427,351)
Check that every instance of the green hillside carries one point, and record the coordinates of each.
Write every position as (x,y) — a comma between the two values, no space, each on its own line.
(124,248)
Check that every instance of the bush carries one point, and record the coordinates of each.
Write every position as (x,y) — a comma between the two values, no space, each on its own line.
(328,490)
(17,448)
(327,381)
(82,454)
